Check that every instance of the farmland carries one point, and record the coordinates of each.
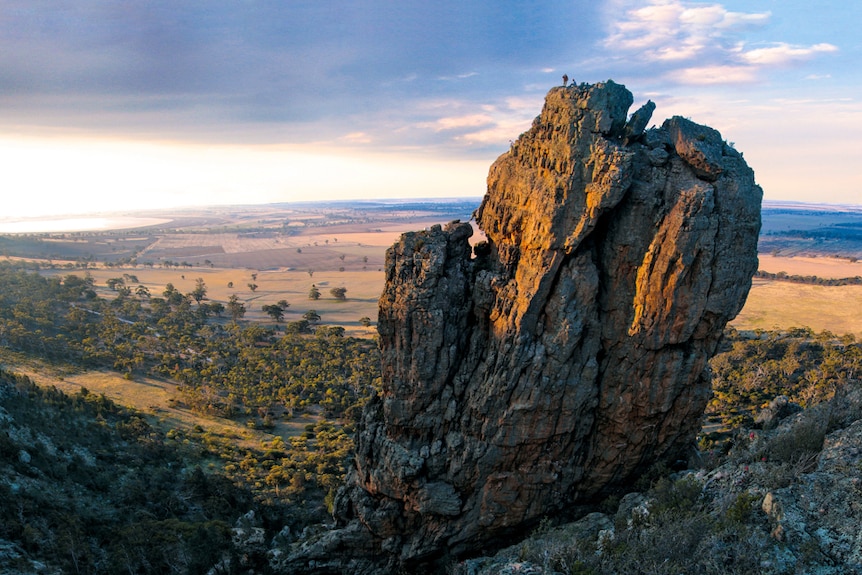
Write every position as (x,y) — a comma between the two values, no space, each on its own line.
(282,250)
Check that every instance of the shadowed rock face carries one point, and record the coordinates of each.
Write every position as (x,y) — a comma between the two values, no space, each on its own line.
(569,354)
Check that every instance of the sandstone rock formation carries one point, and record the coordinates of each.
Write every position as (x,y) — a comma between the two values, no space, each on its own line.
(565,356)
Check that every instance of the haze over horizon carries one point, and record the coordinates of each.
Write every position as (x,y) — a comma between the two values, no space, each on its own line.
(107,107)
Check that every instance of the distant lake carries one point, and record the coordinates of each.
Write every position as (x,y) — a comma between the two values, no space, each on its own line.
(81,224)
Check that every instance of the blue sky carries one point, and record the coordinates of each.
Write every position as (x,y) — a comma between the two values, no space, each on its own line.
(109,105)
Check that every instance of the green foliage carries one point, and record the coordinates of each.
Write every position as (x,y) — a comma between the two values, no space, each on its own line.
(679,497)
(101,491)
(311,316)
(754,369)
(274,311)
(313,293)
(200,292)
(802,441)
(680,531)
(231,370)
(740,511)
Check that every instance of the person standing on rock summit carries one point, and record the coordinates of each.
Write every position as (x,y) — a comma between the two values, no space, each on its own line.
(565,79)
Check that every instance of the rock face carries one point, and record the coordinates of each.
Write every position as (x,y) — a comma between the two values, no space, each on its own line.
(565,356)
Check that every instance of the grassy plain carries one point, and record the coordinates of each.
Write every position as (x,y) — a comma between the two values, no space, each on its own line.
(363,290)
(822,267)
(774,304)
(343,249)
(784,305)
(228,251)
(157,398)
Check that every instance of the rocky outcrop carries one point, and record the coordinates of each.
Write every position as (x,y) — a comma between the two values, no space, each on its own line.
(785,500)
(564,356)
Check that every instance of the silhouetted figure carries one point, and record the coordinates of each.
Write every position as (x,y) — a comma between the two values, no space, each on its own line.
(565,79)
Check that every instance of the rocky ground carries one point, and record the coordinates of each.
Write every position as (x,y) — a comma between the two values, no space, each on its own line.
(786,499)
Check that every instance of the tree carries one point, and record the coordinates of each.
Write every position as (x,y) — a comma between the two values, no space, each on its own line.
(339,293)
(311,316)
(235,308)
(200,291)
(275,311)
(142,292)
(283,304)
(252,286)
(169,292)
(365,321)
(314,293)
(172,295)
(115,283)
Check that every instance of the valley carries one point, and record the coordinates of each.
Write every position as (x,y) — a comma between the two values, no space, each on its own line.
(261,256)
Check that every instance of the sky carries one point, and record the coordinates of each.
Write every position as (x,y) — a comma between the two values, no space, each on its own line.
(110,105)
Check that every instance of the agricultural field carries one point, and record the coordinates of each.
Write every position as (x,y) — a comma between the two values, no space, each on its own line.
(260,254)
(793,229)
(780,305)
(282,250)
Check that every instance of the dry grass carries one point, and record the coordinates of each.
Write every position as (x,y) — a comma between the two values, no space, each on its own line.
(154,398)
(822,267)
(770,305)
(363,291)
(782,305)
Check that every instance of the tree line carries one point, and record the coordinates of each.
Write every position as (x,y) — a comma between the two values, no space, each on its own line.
(812,280)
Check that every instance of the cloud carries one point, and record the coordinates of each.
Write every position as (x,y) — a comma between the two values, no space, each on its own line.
(710,75)
(674,30)
(356,138)
(458,76)
(505,130)
(472,128)
(699,43)
(783,54)
(459,122)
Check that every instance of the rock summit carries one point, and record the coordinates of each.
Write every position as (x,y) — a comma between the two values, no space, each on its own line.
(562,357)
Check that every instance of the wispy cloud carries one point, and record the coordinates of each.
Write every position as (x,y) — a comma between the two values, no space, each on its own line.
(500,132)
(782,54)
(458,76)
(706,75)
(699,43)
(459,122)
(356,138)
(674,30)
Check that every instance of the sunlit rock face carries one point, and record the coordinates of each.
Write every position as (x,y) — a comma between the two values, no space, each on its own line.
(564,356)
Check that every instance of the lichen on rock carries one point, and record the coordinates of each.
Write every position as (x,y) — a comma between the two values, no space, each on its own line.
(564,357)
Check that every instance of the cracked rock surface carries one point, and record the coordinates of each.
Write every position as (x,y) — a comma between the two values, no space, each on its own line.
(562,357)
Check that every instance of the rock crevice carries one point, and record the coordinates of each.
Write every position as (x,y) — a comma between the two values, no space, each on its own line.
(564,356)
